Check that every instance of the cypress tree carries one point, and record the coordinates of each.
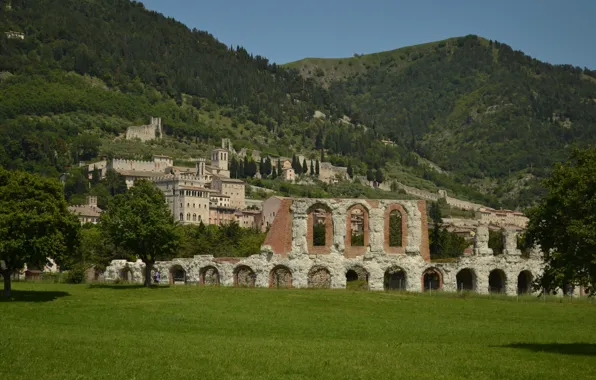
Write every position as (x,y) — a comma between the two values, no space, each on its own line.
(312,168)
(317,168)
(304,166)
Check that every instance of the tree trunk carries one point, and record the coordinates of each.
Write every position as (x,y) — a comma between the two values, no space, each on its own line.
(148,267)
(7,284)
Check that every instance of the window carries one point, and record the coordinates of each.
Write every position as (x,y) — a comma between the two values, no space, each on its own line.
(194,217)
(188,216)
(395,233)
(181,216)
(319,227)
(357,227)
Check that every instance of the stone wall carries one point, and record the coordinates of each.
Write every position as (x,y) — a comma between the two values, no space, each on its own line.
(285,260)
(146,132)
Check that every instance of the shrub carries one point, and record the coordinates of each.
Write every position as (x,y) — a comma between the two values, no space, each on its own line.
(76,275)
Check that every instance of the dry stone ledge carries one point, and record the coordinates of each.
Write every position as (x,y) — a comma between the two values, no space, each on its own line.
(284,265)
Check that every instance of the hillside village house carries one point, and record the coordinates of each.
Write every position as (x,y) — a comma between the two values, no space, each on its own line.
(87,213)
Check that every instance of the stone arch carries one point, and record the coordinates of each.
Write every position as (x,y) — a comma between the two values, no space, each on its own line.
(389,248)
(244,277)
(524,282)
(280,277)
(357,232)
(319,277)
(319,214)
(357,277)
(432,279)
(497,281)
(466,279)
(126,274)
(395,279)
(209,275)
(177,275)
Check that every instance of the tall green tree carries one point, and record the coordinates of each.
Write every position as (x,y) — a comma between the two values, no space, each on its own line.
(563,224)
(35,223)
(317,168)
(312,168)
(304,166)
(140,222)
(435,214)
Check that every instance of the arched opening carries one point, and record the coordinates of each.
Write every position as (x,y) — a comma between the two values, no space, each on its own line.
(280,277)
(395,279)
(319,277)
(524,282)
(496,281)
(209,276)
(244,277)
(395,229)
(356,278)
(357,227)
(126,274)
(466,280)
(432,279)
(318,229)
(177,275)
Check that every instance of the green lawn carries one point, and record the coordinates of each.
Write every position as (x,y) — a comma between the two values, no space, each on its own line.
(126,332)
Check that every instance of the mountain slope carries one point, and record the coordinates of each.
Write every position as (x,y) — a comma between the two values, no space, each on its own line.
(475,107)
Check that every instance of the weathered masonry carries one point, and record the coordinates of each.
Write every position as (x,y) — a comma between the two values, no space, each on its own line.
(327,242)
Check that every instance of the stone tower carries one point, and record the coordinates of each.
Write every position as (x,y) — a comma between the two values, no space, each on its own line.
(219,159)
(201,168)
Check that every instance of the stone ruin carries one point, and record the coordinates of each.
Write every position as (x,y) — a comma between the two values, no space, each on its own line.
(292,256)
(146,132)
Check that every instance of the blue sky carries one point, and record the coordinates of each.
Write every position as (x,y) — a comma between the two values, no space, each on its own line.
(283,31)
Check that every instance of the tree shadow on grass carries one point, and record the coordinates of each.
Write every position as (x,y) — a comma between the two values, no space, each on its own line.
(33,296)
(124,286)
(586,349)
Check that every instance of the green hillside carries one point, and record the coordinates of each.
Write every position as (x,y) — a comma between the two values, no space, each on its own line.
(480,110)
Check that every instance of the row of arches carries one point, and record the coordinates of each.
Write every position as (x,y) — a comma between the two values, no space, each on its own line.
(395,278)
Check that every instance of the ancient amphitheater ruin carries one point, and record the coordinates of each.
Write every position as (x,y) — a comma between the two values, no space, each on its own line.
(392,253)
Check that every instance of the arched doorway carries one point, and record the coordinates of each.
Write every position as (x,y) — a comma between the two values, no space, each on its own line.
(357,278)
(280,277)
(466,280)
(244,277)
(496,281)
(209,276)
(432,279)
(524,282)
(177,275)
(395,279)
(319,277)
(126,274)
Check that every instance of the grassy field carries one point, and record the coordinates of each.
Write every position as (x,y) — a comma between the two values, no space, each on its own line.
(55,331)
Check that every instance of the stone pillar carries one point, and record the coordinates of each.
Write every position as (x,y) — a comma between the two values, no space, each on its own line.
(481,242)
(376,225)
(510,243)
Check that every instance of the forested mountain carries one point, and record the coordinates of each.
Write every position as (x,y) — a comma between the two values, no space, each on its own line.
(475,107)
(85,70)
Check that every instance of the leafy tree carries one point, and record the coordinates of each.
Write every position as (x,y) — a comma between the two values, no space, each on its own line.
(140,222)
(95,178)
(563,223)
(370,176)
(350,170)
(435,215)
(34,223)
(495,241)
(379,178)
(115,182)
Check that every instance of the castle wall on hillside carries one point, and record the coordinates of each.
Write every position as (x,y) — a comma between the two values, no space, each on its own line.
(146,132)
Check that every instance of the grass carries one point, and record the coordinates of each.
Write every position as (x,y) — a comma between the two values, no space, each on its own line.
(61,331)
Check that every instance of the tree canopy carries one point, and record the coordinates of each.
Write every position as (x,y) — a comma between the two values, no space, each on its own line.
(563,224)
(35,223)
(140,222)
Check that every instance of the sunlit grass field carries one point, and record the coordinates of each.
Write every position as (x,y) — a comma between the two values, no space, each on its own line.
(56,331)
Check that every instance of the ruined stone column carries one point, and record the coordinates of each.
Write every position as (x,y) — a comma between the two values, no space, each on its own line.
(481,242)
(510,243)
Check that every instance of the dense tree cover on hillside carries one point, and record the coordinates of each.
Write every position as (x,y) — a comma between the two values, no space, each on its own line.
(120,41)
(475,107)
(563,224)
